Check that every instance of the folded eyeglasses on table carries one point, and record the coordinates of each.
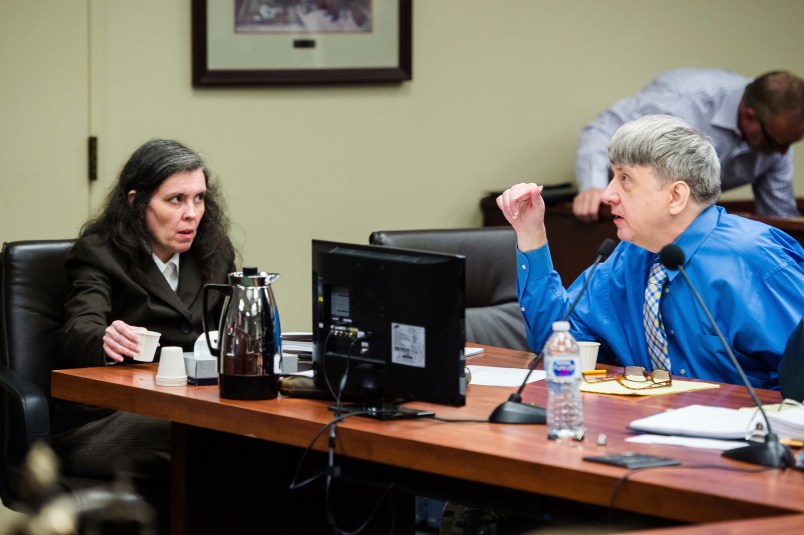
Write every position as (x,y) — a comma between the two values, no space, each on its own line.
(636,378)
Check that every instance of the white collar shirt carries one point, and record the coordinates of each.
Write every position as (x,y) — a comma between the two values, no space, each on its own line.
(169,269)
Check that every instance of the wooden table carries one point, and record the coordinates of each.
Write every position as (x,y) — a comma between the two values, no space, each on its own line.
(223,450)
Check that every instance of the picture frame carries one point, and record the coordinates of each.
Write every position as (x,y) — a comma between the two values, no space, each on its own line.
(270,42)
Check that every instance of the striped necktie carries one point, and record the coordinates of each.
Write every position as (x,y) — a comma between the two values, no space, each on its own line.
(652,319)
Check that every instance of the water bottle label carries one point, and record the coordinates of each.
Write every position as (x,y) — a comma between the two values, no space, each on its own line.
(563,367)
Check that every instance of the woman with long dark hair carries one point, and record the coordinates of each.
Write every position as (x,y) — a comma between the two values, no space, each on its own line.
(141,262)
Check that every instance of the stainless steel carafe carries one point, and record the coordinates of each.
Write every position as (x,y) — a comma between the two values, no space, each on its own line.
(249,336)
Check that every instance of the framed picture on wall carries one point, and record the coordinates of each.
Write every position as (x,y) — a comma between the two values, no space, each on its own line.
(283,42)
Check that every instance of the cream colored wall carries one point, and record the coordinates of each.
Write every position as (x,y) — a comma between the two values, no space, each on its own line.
(43,118)
(500,91)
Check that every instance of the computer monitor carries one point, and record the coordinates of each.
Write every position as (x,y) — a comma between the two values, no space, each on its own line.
(388,326)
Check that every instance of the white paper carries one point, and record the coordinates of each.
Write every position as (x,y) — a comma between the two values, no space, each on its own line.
(700,421)
(493,376)
(788,423)
(201,348)
(690,442)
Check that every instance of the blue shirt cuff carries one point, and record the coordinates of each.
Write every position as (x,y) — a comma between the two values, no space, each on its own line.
(535,264)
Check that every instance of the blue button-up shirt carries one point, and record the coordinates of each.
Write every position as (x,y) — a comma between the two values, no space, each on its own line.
(710,100)
(750,275)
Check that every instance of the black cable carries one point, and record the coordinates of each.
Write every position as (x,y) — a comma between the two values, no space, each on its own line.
(345,376)
(293,484)
(333,522)
(333,471)
(459,420)
(323,363)
(620,482)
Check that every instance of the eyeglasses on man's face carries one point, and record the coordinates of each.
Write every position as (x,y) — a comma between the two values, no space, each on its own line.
(636,378)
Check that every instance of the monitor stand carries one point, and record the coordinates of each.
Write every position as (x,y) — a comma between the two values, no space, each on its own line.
(375,407)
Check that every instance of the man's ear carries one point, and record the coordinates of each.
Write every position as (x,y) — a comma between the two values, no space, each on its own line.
(679,197)
(131,195)
(748,114)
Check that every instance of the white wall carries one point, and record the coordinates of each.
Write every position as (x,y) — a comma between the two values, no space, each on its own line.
(43,118)
(500,91)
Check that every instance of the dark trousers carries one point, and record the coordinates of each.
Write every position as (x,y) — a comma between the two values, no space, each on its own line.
(122,445)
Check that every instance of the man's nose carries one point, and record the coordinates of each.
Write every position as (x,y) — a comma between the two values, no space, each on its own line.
(608,195)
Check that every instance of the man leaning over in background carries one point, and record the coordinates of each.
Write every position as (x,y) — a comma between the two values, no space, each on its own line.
(665,184)
(751,124)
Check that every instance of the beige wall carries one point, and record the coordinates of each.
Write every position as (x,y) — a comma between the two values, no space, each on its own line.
(500,91)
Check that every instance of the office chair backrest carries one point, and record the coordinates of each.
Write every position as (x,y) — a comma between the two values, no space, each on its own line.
(493,316)
(33,287)
(791,368)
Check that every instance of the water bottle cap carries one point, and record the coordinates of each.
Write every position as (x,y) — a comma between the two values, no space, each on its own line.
(561,326)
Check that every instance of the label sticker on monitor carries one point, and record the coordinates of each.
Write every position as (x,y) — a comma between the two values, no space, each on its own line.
(407,345)
(339,303)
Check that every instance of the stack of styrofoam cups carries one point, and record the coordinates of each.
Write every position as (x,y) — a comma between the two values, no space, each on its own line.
(171,370)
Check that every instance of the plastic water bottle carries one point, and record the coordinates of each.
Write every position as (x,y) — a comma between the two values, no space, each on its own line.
(562,362)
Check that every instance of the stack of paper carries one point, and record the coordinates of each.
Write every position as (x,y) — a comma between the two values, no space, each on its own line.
(472,351)
(298,343)
(788,423)
(700,421)
(494,376)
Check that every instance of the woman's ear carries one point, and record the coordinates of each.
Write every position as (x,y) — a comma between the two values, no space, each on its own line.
(679,197)
(131,195)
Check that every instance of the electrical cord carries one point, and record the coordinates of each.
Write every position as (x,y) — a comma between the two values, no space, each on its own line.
(323,363)
(294,484)
(620,482)
(334,471)
(345,376)
(460,420)
(333,521)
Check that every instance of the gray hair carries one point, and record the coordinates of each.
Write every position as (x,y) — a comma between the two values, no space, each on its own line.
(674,149)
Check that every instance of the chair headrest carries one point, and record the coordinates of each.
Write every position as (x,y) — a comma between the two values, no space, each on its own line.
(34,288)
(490,257)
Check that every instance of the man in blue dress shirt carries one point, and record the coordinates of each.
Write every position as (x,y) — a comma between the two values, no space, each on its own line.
(752,124)
(666,181)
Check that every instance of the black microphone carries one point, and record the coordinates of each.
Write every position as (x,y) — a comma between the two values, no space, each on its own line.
(514,411)
(771,452)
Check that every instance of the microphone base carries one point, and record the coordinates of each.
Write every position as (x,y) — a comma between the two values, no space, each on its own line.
(770,453)
(514,411)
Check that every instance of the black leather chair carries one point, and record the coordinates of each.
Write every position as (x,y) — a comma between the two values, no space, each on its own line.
(33,285)
(493,316)
(791,368)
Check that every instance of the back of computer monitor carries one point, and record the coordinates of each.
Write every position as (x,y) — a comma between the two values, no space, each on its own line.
(388,323)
